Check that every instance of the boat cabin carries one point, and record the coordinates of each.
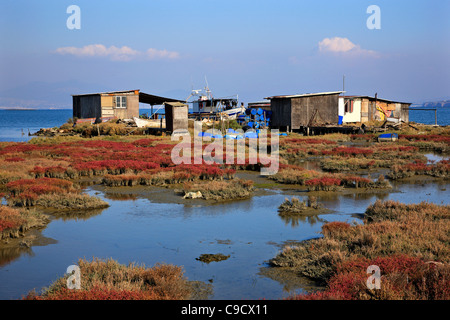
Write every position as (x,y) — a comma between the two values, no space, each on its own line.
(205,105)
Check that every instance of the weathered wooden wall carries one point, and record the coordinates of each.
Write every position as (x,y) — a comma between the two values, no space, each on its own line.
(353,115)
(303,109)
(103,105)
(88,106)
(281,112)
(394,109)
(372,110)
(364,110)
(132,109)
(176,117)
(107,106)
(404,114)
(133,106)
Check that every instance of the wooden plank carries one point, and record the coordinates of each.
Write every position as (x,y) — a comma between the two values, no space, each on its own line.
(108,113)
(107,101)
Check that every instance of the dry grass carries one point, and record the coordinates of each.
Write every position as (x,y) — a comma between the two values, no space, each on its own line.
(10,219)
(323,181)
(50,193)
(71,201)
(221,190)
(14,222)
(402,278)
(109,280)
(294,175)
(390,228)
(439,170)
(295,206)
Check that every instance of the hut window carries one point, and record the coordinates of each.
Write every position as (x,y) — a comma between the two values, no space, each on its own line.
(121,102)
(348,106)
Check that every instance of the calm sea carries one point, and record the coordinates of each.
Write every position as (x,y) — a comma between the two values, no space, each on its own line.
(15,124)
(428,116)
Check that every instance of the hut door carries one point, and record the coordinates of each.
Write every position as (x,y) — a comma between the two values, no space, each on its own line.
(107,106)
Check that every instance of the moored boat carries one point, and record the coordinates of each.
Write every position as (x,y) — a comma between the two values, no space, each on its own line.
(150,123)
(206,106)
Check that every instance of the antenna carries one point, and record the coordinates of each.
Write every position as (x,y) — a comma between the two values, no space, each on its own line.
(343,85)
(343,90)
(208,92)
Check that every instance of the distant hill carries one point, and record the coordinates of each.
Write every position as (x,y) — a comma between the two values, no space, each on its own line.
(45,95)
(437,104)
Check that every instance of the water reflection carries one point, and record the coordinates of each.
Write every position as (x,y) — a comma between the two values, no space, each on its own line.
(310,164)
(381,195)
(76,215)
(15,248)
(201,290)
(435,157)
(120,196)
(9,254)
(296,220)
(291,283)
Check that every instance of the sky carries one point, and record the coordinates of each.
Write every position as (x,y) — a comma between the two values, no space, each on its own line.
(250,48)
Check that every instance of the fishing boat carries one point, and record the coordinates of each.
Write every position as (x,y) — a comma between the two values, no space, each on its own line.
(206,106)
(233,113)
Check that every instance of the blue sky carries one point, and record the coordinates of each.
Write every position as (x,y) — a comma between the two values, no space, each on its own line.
(253,48)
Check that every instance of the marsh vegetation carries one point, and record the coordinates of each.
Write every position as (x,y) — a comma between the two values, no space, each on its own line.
(47,176)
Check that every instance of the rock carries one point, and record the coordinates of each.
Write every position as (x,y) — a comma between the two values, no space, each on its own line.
(193,195)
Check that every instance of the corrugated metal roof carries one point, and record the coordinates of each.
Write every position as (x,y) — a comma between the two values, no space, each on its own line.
(378,99)
(155,100)
(109,92)
(304,95)
(259,103)
(176,104)
(329,93)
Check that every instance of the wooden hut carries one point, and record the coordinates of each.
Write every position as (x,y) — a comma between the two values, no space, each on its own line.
(114,104)
(361,109)
(296,112)
(117,104)
(292,112)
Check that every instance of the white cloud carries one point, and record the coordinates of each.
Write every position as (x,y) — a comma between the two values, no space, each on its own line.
(336,44)
(343,46)
(117,54)
(161,54)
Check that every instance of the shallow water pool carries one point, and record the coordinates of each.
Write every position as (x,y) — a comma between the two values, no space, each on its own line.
(147,232)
